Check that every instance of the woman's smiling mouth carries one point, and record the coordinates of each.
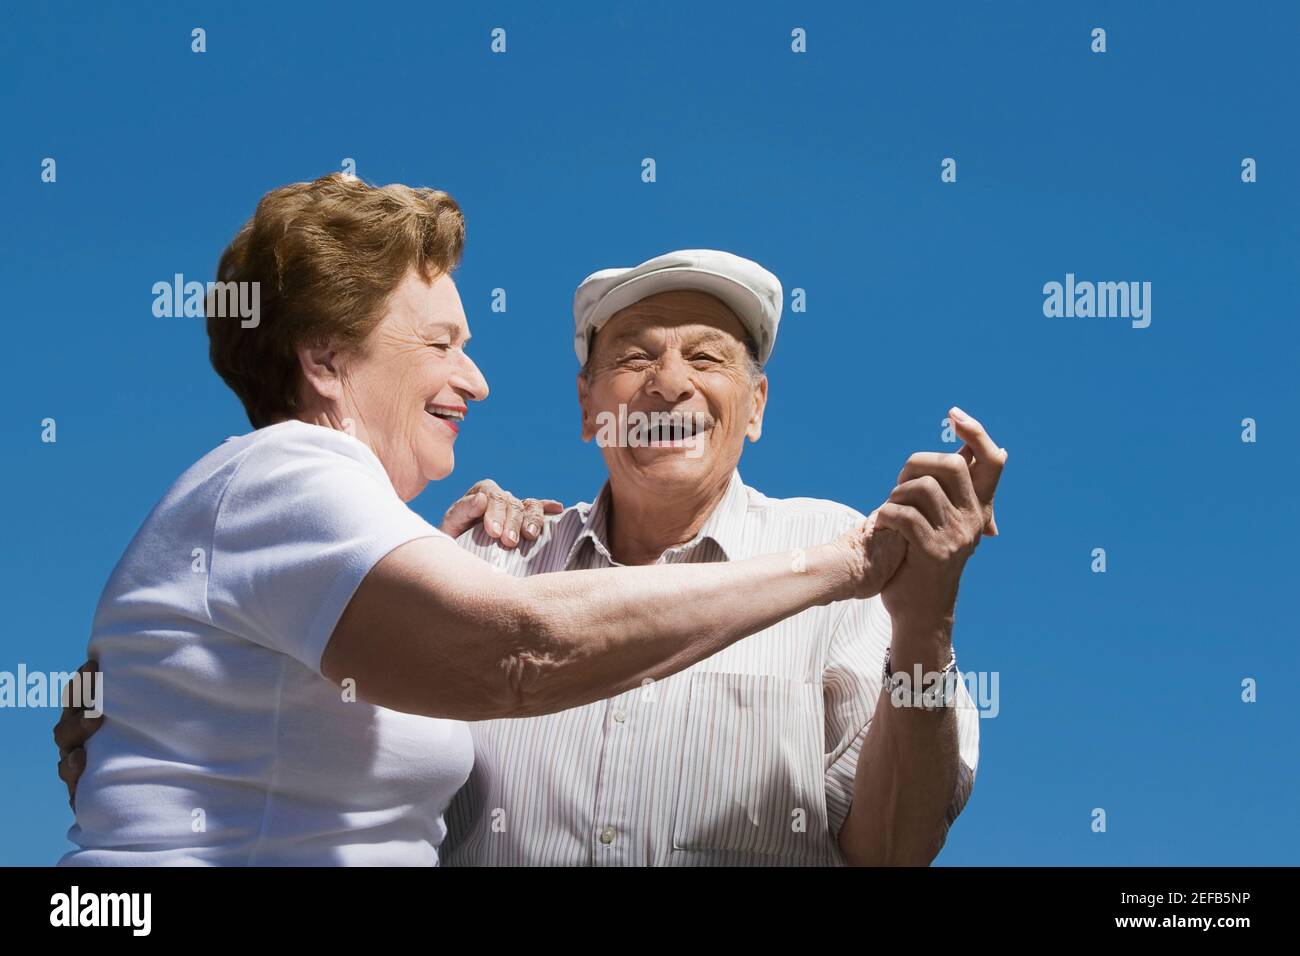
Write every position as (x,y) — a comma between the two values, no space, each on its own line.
(449,415)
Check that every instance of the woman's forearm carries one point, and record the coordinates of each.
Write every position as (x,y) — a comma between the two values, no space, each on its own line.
(433,630)
(595,634)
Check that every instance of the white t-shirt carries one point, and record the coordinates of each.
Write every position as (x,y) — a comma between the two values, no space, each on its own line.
(221,743)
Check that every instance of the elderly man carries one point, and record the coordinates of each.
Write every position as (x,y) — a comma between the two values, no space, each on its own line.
(782,748)
(806,744)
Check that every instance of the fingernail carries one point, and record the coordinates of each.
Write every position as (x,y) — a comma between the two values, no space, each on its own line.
(533,529)
(496,527)
(958,414)
(509,536)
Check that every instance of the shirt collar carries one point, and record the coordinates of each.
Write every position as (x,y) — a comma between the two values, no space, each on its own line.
(724,525)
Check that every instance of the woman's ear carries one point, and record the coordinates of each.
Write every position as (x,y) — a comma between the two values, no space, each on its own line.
(321,373)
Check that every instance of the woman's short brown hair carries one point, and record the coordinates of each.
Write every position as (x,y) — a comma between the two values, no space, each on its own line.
(327,255)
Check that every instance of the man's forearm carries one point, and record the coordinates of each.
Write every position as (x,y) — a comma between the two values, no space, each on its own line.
(910,762)
(907,768)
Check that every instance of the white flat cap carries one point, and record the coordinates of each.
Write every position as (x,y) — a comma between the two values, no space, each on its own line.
(744,286)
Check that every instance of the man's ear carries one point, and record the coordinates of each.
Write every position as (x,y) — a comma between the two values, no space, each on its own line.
(584,394)
(754,431)
(321,370)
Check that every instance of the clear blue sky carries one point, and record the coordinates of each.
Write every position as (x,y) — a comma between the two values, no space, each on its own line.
(1118,690)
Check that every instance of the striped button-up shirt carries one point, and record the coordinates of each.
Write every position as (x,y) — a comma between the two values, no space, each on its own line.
(747,757)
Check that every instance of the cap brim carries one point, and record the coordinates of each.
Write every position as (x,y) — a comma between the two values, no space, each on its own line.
(733,294)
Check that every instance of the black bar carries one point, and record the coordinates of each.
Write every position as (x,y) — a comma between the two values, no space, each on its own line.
(938,907)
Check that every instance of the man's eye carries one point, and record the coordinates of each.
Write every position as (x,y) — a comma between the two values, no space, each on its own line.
(705,357)
(443,346)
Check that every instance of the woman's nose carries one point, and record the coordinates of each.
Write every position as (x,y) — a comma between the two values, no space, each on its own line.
(470,380)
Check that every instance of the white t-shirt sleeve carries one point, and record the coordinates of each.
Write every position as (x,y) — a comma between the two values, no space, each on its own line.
(306,515)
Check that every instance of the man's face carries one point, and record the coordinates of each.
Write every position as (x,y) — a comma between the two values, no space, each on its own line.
(675,352)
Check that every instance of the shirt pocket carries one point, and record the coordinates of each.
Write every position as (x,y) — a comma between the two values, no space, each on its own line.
(751,780)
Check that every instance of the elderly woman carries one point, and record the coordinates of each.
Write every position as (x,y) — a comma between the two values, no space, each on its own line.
(289,651)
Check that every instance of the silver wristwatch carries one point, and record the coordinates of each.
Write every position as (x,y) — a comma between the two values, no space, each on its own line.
(937,691)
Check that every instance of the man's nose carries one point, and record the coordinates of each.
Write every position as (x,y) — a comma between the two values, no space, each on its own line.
(469,380)
(671,379)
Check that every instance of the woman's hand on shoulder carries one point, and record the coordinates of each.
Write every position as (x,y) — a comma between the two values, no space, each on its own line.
(506,518)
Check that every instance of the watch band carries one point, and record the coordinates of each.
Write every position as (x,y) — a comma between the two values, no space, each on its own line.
(897,686)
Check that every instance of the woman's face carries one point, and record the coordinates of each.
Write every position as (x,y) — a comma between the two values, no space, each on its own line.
(405,392)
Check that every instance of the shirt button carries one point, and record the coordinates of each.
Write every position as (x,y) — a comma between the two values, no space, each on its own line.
(607,835)
(619,716)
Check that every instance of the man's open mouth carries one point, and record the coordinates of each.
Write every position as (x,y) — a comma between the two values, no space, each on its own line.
(672,428)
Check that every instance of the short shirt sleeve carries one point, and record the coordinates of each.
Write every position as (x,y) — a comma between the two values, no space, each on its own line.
(305,516)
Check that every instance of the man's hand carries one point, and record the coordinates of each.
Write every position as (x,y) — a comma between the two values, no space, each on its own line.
(70,735)
(504,516)
(942,504)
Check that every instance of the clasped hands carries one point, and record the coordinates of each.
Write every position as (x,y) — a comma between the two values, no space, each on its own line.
(912,549)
